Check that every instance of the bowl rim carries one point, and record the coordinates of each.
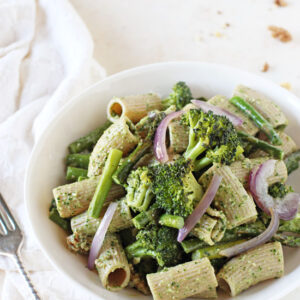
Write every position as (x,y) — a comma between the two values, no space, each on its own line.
(118,76)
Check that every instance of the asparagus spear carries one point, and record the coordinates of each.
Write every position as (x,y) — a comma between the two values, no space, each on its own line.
(57,219)
(272,150)
(74,173)
(213,252)
(105,183)
(292,161)
(257,118)
(78,160)
(89,141)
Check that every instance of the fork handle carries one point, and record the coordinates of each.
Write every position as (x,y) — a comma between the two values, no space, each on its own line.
(26,277)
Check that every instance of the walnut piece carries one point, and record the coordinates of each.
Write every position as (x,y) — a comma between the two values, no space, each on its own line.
(280,3)
(280,33)
(265,67)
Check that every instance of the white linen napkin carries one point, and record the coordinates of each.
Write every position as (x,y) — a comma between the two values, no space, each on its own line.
(46,58)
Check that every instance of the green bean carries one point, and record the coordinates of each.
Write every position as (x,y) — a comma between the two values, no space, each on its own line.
(57,219)
(78,160)
(74,173)
(257,118)
(213,252)
(171,221)
(272,150)
(89,141)
(292,161)
(141,220)
(192,245)
(105,183)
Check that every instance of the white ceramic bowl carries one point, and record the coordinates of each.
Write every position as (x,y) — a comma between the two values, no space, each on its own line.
(87,111)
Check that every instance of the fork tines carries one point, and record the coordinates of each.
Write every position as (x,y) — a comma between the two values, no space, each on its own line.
(7,222)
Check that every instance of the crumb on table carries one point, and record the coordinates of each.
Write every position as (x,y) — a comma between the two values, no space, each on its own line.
(286,85)
(280,3)
(265,67)
(280,33)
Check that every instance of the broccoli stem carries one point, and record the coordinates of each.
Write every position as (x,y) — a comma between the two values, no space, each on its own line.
(171,221)
(74,173)
(104,183)
(202,163)
(78,160)
(136,250)
(257,118)
(272,150)
(89,141)
(141,220)
(213,252)
(195,151)
(292,161)
(124,169)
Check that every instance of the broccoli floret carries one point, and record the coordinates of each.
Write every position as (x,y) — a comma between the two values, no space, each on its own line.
(175,188)
(139,194)
(146,129)
(215,135)
(180,96)
(157,242)
(279,190)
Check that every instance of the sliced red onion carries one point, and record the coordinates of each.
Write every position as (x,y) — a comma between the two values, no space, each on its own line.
(286,208)
(100,234)
(259,240)
(160,149)
(259,185)
(201,208)
(235,120)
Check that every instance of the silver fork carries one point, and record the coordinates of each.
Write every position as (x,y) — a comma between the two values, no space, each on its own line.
(11,240)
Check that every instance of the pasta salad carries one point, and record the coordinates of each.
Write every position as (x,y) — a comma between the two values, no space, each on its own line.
(181,196)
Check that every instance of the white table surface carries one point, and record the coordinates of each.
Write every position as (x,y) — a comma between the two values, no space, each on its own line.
(137,32)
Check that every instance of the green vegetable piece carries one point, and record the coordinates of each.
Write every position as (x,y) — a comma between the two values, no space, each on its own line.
(192,245)
(290,226)
(213,135)
(257,118)
(292,161)
(180,96)
(279,190)
(74,173)
(272,150)
(63,223)
(287,240)
(78,160)
(89,141)
(160,243)
(105,183)
(80,178)
(171,221)
(213,252)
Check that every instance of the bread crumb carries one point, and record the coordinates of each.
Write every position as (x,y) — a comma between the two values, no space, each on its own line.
(265,67)
(280,3)
(280,33)
(286,85)
(218,34)
(226,25)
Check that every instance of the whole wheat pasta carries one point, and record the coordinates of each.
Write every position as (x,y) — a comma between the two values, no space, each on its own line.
(183,281)
(74,198)
(256,265)
(133,107)
(117,136)
(112,264)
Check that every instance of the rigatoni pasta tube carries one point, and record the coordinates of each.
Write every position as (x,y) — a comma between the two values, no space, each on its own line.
(209,294)
(122,219)
(112,264)
(231,198)
(241,169)
(178,136)
(117,136)
(267,108)
(133,107)
(73,199)
(259,264)
(183,281)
